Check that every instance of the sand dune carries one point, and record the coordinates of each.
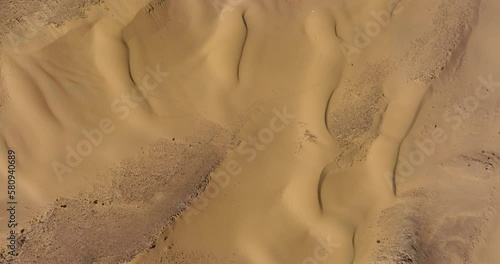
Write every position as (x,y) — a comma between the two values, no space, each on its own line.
(251,131)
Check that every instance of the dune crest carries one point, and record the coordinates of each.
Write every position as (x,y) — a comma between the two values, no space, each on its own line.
(253,131)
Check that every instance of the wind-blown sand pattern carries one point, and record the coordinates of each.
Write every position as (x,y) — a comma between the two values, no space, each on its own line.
(251,131)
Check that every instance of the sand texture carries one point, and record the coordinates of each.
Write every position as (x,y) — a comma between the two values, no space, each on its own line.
(250,131)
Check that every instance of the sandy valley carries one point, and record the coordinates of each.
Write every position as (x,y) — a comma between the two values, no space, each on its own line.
(250,131)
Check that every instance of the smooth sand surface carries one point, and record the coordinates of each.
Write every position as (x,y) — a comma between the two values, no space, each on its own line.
(252,131)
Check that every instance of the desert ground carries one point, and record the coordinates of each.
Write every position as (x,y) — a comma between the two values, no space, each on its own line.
(250,131)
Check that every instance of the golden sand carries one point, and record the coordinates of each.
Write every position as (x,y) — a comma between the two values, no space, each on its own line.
(251,131)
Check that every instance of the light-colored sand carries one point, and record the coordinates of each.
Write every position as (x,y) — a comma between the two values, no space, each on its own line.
(253,131)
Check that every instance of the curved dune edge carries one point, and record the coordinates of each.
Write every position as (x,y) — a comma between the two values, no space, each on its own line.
(338,160)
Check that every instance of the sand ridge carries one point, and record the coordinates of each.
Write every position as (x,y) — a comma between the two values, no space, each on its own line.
(252,131)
